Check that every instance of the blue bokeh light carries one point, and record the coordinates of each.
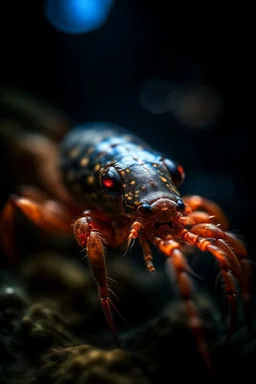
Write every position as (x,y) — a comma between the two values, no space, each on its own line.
(77,16)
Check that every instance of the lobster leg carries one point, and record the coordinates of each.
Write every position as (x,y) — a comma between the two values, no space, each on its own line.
(148,257)
(204,211)
(232,243)
(46,213)
(135,229)
(235,250)
(89,235)
(171,249)
(228,266)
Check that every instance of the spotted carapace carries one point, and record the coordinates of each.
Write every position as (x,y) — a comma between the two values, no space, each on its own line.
(109,169)
(113,189)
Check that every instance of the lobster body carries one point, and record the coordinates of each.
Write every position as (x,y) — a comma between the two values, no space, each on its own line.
(87,151)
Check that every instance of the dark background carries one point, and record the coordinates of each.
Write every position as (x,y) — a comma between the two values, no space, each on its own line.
(100,76)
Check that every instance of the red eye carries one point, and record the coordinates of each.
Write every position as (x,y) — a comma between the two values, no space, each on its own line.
(111,182)
(108,183)
(176,171)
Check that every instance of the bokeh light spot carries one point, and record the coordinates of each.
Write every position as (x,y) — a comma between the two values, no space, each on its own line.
(196,107)
(77,16)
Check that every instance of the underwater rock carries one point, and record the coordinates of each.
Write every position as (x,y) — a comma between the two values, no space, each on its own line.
(54,331)
(86,364)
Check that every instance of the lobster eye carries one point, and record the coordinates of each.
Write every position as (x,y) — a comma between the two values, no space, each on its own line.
(181,205)
(111,182)
(144,209)
(176,171)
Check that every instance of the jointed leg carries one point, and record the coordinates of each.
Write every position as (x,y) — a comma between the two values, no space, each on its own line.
(133,234)
(148,258)
(205,228)
(228,266)
(46,213)
(206,211)
(236,251)
(172,250)
(91,233)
